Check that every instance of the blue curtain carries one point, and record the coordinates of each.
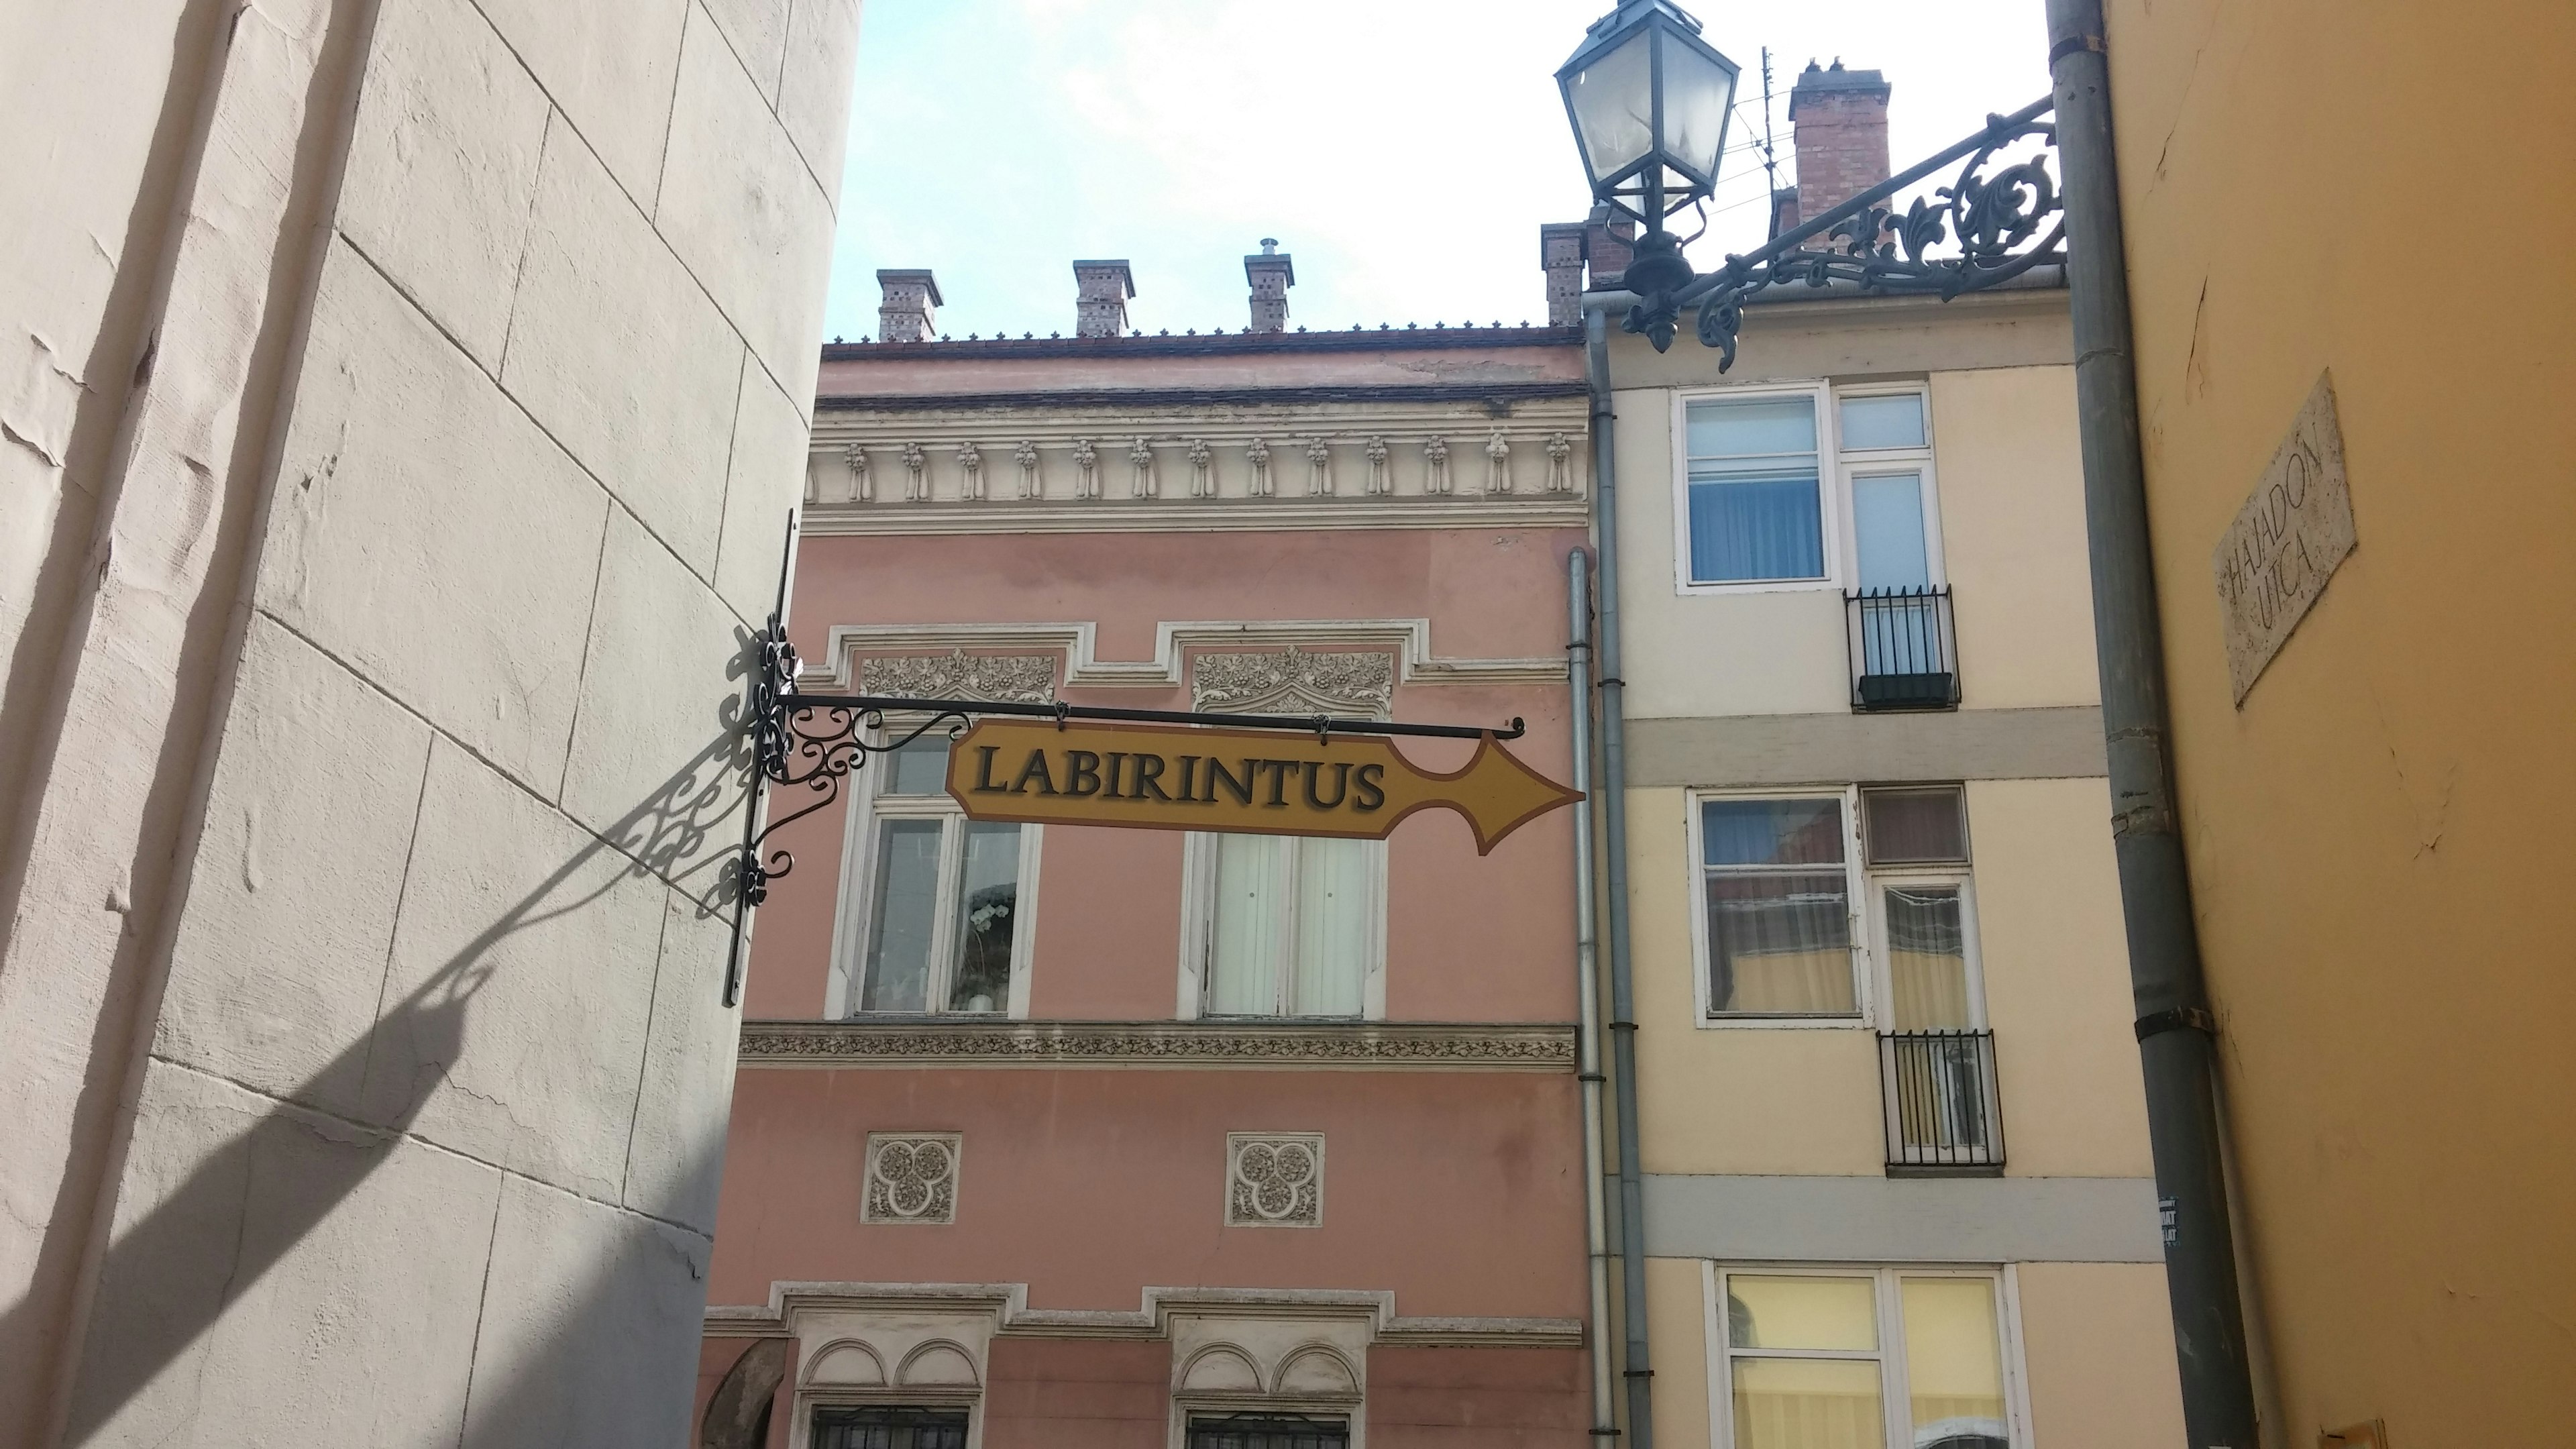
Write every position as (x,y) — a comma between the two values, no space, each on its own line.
(1759,527)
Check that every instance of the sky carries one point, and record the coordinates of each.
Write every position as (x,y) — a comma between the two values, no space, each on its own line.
(1404,152)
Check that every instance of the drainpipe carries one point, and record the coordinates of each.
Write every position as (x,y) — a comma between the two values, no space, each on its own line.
(1587,980)
(1608,806)
(2176,1041)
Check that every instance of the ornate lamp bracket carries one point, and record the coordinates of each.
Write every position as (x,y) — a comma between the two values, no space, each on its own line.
(1990,224)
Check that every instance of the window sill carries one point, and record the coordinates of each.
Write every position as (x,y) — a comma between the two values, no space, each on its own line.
(1854,1022)
(1696,590)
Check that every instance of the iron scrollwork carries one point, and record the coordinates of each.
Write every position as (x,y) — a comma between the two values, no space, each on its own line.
(808,745)
(1991,216)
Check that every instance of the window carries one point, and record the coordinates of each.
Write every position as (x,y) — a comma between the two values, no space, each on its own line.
(942,901)
(1767,488)
(1776,907)
(1922,916)
(1267,1431)
(1285,925)
(1872,1360)
(877,1427)
(1885,455)
(1799,893)
(1754,500)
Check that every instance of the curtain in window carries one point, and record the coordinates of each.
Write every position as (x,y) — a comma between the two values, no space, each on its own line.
(904,909)
(1779,907)
(1954,1363)
(1332,926)
(1780,943)
(1801,1403)
(1247,940)
(988,899)
(1756,526)
(1927,957)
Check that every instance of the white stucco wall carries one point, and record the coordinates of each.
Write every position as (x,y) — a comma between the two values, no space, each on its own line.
(359,1012)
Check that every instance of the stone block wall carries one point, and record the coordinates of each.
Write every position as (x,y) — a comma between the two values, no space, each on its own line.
(360,1008)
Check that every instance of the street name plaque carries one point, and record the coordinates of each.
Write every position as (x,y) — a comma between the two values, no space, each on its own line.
(2286,542)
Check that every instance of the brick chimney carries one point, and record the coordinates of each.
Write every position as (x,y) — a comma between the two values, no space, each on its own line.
(1560,255)
(1608,245)
(1271,275)
(1100,293)
(1840,120)
(910,310)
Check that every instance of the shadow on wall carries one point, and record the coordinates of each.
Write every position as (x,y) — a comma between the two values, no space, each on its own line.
(231,1215)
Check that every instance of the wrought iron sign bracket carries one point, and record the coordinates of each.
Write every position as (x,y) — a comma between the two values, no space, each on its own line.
(1991,217)
(814,742)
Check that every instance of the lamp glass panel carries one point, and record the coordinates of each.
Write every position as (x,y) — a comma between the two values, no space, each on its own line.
(1613,104)
(1698,92)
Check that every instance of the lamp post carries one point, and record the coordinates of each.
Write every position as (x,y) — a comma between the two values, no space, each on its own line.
(1649,102)
(1637,121)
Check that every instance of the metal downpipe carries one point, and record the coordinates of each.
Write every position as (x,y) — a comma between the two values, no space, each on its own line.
(1610,807)
(1587,978)
(2176,1046)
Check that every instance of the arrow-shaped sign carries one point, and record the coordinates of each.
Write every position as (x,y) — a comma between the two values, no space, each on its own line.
(1252,782)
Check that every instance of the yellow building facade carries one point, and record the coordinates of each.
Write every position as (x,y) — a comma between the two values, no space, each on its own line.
(1897,1187)
(2323,190)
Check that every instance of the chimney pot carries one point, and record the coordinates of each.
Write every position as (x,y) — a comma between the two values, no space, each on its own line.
(910,305)
(1271,274)
(1100,292)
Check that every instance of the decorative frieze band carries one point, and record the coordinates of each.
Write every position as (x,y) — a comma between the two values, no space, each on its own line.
(1410,464)
(1003,678)
(1293,681)
(1371,1046)
(1517,461)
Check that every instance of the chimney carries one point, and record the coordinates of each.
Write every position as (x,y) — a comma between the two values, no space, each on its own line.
(1560,255)
(1784,211)
(1840,120)
(1608,246)
(1100,293)
(910,308)
(1271,275)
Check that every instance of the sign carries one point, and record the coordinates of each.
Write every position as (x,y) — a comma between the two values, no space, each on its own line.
(1251,782)
(2287,540)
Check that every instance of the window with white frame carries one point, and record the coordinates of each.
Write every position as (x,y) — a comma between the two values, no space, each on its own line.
(1808,487)
(1801,896)
(1775,918)
(1284,926)
(938,917)
(1877,1359)
(1887,472)
(1922,913)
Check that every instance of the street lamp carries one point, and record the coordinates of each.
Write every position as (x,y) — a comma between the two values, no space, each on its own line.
(1649,102)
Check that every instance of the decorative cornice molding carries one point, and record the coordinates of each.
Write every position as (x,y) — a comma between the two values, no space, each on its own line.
(1175,643)
(1234,458)
(1008,1303)
(1265,1045)
(1561,508)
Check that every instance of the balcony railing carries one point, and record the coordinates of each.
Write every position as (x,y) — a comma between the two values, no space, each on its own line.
(1904,649)
(1943,1111)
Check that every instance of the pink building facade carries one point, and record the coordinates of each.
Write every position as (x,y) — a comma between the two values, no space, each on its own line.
(1074,1136)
